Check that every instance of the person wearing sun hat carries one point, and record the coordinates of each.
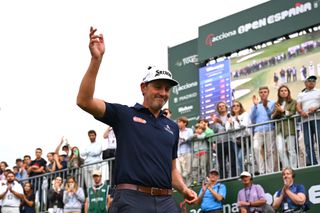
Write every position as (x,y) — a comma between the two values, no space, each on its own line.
(308,103)
(252,197)
(147,140)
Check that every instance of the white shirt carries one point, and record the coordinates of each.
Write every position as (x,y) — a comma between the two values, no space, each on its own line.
(92,153)
(111,141)
(308,99)
(10,199)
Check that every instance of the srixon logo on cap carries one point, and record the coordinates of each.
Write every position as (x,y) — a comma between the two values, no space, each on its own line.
(162,72)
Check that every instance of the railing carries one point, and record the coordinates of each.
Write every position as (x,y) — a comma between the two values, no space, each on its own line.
(282,144)
(83,175)
(230,152)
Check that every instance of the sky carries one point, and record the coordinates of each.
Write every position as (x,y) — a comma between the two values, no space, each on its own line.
(44,55)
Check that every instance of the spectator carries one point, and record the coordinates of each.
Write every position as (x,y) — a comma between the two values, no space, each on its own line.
(3,166)
(308,102)
(51,167)
(37,167)
(225,145)
(200,154)
(184,149)
(291,197)
(207,130)
(17,175)
(92,154)
(26,162)
(75,160)
(239,120)
(11,194)
(167,112)
(65,148)
(97,199)
(28,201)
(263,138)
(61,163)
(73,196)
(55,196)
(212,193)
(284,108)
(252,197)
(23,174)
(110,150)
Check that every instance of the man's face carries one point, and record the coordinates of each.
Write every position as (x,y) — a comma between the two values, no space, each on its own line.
(287,176)
(310,84)
(156,94)
(181,124)
(38,153)
(50,157)
(213,177)
(97,179)
(92,137)
(264,93)
(10,177)
(222,108)
(245,180)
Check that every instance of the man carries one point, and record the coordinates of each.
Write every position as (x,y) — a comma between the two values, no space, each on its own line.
(109,151)
(37,167)
(21,169)
(212,194)
(252,197)
(146,139)
(308,102)
(184,149)
(97,200)
(167,112)
(225,145)
(91,155)
(11,194)
(291,197)
(264,136)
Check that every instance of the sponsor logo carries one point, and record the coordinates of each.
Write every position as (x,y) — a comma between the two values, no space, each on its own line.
(178,88)
(185,97)
(167,128)
(162,72)
(297,9)
(185,109)
(187,60)
(139,120)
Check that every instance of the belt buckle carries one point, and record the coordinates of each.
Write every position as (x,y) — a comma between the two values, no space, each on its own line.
(154,191)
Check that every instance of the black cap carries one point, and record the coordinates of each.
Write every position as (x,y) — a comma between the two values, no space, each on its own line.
(311,78)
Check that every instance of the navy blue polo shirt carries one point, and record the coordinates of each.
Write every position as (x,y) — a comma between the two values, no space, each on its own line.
(146,145)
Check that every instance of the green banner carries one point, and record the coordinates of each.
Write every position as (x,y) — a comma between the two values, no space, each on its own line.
(309,177)
(183,63)
(256,25)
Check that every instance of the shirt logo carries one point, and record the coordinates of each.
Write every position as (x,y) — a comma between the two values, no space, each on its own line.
(139,120)
(167,128)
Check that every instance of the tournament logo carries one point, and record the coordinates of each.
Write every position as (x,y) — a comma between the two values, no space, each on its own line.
(139,120)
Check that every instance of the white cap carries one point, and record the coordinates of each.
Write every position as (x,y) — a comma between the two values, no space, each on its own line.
(154,73)
(96,172)
(63,153)
(245,174)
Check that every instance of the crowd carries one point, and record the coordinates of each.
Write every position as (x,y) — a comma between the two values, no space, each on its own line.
(59,176)
(270,130)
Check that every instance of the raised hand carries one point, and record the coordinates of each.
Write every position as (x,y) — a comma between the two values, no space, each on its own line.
(96,44)
(255,100)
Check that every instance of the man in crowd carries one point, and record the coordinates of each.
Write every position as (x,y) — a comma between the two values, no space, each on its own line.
(225,145)
(98,195)
(212,193)
(291,197)
(109,150)
(264,136)
(308,102)
(91,155)
(146,140)
(252,197)
(184,149)
(11,195)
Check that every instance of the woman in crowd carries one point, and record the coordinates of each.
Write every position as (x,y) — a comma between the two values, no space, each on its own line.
(28,201)
(3,166)
(75,160)
(285,129)
(239,120)
(55,196)
(73,196)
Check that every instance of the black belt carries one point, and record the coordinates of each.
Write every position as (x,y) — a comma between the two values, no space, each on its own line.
(148,190)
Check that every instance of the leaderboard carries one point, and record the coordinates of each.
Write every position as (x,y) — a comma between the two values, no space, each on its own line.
(214,87)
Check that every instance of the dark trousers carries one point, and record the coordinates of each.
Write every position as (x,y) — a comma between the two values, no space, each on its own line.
(130,201)
(311,134)
(226,152)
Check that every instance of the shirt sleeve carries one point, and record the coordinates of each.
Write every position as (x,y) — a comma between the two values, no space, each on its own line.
(223,191)
(260,192)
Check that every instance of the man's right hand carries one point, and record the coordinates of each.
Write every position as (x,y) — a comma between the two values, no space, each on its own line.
(96,44)
(255,100)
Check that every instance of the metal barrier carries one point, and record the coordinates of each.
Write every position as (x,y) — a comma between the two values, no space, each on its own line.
(83,175)
(292,141)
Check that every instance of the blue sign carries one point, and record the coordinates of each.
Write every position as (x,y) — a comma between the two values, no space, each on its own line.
(215,86)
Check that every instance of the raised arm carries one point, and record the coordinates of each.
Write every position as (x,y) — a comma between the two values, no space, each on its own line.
(85,99)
